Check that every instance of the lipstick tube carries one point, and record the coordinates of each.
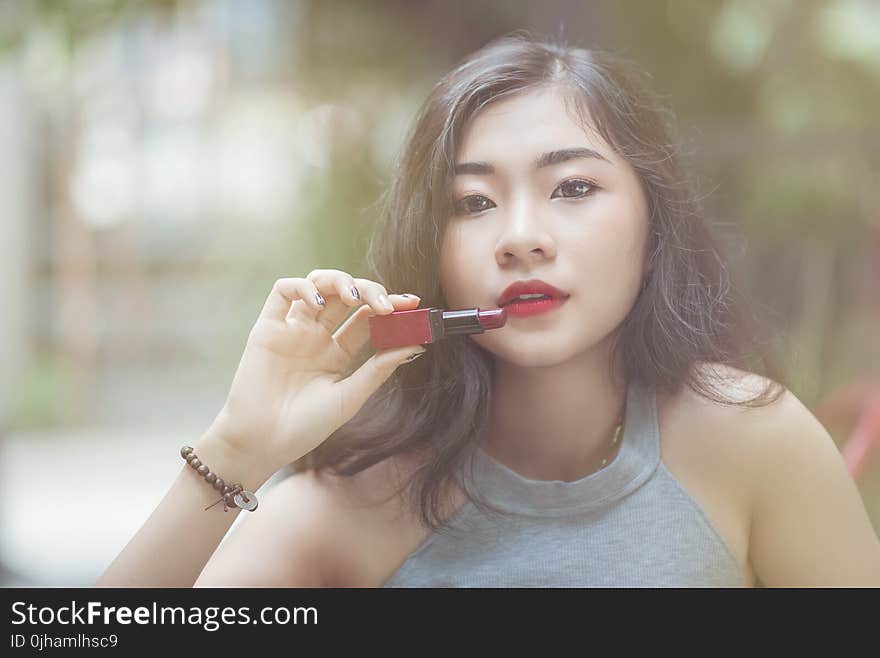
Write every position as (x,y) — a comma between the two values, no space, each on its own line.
(428,325)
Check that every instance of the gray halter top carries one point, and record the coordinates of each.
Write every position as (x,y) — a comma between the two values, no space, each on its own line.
(630,524)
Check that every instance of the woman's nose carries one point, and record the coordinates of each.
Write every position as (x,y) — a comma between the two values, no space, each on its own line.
(524,235)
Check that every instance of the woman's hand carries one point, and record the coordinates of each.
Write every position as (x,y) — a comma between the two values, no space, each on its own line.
(288,394)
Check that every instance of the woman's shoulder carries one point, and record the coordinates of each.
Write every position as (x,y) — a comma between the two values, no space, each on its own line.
(732,385)
(766,428)
(739,436)
(371,518)
(726,435)
(741,410)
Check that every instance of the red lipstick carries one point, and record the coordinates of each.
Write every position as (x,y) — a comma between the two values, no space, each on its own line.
(533,287)
(428,325)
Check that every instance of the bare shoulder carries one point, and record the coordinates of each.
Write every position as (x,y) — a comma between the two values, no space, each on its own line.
(735,387)
(730,434)
(771,478)
(808,523)
(376,525)
(745,437)
(368,517)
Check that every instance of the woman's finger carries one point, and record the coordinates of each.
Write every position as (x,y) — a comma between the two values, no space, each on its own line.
(341,292)
(290,294)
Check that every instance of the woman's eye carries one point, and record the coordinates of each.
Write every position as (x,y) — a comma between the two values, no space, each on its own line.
(577,187)
(575,184)
(465,207)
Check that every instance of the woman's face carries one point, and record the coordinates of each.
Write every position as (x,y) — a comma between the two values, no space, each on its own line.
(578,224)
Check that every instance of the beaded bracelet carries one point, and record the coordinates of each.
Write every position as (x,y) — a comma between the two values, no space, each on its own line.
(234,495)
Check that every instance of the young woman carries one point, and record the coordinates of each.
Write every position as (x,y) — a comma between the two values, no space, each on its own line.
(620,438)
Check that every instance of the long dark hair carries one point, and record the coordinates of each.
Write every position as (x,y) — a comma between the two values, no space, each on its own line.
(689,325)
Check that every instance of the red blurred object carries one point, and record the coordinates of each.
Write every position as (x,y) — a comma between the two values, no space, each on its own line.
(856,406)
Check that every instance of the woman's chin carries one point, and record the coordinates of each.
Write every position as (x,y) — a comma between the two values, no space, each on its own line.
(525,352)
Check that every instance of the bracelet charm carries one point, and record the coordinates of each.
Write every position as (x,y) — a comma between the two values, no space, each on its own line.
(233,495)
(246,500)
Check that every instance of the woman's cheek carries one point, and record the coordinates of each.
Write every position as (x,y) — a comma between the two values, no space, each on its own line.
(460,265)
(452,262)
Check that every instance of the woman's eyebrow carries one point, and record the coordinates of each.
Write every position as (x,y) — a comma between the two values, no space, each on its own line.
(544,160)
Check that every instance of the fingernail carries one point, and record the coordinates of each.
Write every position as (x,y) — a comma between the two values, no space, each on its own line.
(319,299)
(354,291)
(415,356)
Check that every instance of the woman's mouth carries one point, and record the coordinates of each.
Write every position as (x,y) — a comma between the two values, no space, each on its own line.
(527,307)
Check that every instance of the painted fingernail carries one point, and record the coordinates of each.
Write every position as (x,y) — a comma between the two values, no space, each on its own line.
(319,299)
(354,291)
(404,295)
(415,356)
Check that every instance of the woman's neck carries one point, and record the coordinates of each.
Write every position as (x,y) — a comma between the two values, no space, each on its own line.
(555,422)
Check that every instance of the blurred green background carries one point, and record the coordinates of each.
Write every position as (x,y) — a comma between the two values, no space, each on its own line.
(162,163)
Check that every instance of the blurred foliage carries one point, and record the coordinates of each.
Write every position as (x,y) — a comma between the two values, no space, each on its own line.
(42,397)
(776,102)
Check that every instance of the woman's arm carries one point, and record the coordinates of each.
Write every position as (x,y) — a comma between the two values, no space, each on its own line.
(289,393)
(179,537)
(810,527)
(290,541)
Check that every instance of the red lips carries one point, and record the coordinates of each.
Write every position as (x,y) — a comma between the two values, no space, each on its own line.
(532,286)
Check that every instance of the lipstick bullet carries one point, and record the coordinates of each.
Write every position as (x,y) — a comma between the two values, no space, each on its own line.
(428,325)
